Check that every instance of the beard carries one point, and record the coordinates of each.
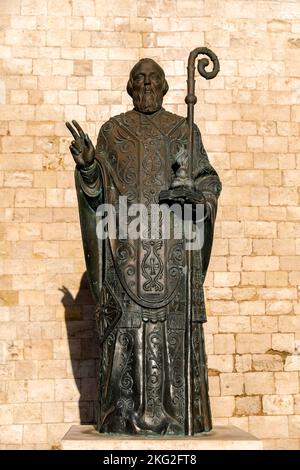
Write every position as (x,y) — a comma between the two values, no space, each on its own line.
(147,101)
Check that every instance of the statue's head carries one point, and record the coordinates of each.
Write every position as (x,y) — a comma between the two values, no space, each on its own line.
(147,86)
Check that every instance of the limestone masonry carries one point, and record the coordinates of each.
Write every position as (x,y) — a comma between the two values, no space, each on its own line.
(63,60)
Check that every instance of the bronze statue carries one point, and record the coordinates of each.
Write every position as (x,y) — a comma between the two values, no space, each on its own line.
(148,291)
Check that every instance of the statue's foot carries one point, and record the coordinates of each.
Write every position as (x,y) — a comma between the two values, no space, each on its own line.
(174,429)
(147,424)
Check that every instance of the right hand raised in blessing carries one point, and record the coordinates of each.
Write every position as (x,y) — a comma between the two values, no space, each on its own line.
(81,148)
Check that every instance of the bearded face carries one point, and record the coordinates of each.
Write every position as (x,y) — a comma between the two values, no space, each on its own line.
(147,90)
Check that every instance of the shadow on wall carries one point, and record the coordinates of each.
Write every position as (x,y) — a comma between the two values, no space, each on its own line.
(84,346)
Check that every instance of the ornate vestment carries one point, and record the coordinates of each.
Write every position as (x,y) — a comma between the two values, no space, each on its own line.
(140,285)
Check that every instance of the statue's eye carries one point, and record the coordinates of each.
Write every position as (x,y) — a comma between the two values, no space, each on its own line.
(138,77)
(155,77)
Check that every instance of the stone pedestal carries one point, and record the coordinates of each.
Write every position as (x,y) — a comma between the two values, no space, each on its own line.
(84,437)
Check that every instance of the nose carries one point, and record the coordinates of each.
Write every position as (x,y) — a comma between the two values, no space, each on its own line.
(147,80)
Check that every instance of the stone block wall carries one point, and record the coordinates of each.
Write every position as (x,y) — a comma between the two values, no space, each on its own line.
(70,59)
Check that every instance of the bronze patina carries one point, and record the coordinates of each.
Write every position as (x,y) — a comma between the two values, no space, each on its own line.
(149,291)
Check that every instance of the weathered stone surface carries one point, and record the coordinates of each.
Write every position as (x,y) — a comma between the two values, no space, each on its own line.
(64,61)
(278,404)
(223,438)
(248,406)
